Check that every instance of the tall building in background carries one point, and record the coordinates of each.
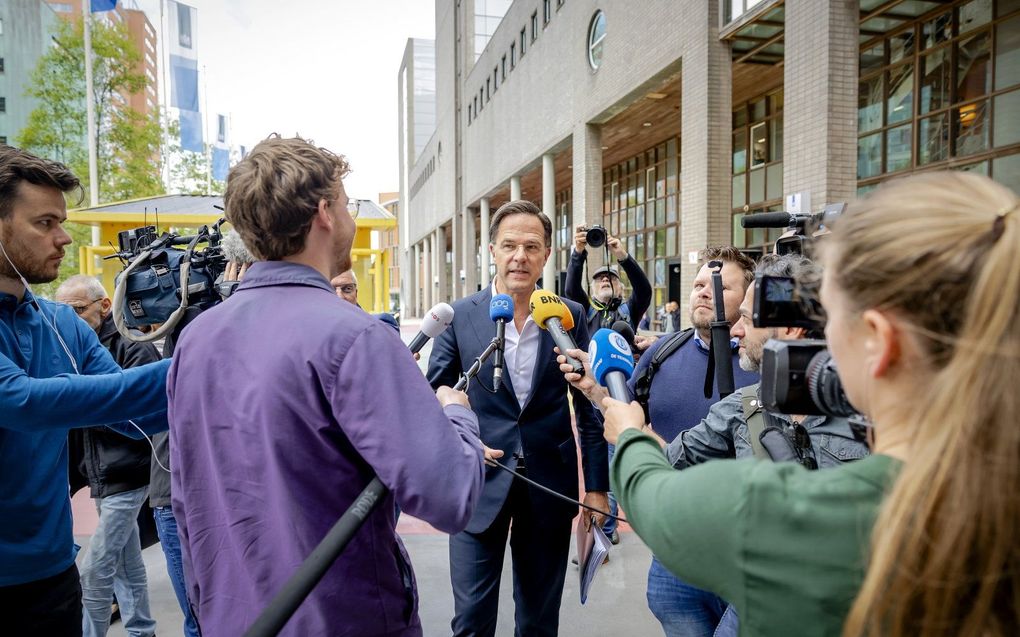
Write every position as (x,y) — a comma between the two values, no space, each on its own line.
(143,37)
(25,30)
(389,242)
(668,121)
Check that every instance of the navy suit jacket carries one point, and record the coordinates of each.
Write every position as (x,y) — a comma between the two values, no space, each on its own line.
(540,428)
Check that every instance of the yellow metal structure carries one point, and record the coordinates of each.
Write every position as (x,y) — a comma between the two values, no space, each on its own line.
(370,265)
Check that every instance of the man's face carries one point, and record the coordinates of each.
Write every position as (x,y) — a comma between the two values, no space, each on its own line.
(752,339)
(32,234)
(91,311)
(702,303)
(344,231)
(605,286)
(345,286)
(519,252)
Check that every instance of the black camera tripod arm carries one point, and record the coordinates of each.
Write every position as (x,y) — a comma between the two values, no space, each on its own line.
(720,328)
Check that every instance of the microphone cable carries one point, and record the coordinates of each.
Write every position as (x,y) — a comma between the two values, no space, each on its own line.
(555,494)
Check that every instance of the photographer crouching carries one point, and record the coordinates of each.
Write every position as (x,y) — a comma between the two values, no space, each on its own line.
(924,530)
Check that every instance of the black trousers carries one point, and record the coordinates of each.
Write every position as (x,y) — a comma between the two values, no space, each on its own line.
(539,548)
(50,606)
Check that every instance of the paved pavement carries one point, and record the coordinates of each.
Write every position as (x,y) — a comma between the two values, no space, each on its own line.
(616,603)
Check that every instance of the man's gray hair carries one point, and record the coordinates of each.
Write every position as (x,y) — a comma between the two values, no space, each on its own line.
(89,285)
(796,266)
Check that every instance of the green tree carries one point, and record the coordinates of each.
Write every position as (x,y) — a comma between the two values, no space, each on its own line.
(128,143)
(188,168)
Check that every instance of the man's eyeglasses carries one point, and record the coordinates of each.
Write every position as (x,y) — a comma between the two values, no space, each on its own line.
(80,309)
(348,289)
(353,207)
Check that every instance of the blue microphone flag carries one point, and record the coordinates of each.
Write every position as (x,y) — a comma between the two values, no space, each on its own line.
(501,307)
(609,352)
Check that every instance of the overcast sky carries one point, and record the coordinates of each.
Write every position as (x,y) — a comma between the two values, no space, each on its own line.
(324,69)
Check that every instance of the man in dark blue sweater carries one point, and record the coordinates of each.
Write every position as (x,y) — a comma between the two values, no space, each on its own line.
(676,403)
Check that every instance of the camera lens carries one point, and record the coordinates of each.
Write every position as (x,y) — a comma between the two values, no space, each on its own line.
(596,236)
(825,387)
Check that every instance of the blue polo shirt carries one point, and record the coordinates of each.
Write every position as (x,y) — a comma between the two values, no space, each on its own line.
(41,397)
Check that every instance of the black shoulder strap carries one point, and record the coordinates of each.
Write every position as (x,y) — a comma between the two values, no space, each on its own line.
(643,382)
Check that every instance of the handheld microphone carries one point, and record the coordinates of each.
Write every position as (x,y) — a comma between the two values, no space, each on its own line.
(436,320)
(501,310)
(552,314)
(624,329)
(612,363)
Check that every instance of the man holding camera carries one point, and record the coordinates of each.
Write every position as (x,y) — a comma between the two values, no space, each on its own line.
(287,401)
(55,375)
(606,304)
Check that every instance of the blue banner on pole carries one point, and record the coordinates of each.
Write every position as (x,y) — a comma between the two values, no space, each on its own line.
(191,131)
(103,5)
(183,83)
(220,164)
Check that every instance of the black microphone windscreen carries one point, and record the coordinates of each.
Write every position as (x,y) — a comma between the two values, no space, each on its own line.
(235,250)
(766,220)
(624,329)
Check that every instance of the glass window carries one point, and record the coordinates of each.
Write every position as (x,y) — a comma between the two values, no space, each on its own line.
(739,117)
(898,143)
(937,30)
(1006,171)
(872,59)
(869,156)
(774,181)
(869,104)
(933,140)
(975,14)
(936,80)
(596,37)
(757,193)
(671,209)
(972,128)
(739,152)
(758,110)
(660,212)
(670,241)
(776,139)
(739,234)
(901,94)
(758,145)
(1006,114)
(1007,53)
(739,185)
(973,68)
(901,46)
(534,26)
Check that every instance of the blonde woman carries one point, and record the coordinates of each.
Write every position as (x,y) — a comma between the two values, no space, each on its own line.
(922,291)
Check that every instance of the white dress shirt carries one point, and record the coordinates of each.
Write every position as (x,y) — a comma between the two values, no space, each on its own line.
(520,354)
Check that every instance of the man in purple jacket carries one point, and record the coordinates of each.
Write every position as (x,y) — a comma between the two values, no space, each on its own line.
(285,401)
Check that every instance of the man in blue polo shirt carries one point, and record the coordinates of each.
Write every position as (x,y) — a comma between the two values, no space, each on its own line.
(54,375)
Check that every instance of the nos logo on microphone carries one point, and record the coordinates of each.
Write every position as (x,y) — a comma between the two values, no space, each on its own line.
(501,303)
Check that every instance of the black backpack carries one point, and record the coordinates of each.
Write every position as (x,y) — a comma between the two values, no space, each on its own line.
(643,381)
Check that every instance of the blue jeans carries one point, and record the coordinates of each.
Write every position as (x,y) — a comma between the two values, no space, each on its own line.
(609,527)
(683,610)
(166,526)
(113,564)
(729,625)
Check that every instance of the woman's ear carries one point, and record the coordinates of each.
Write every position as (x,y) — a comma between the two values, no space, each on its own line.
(881,341)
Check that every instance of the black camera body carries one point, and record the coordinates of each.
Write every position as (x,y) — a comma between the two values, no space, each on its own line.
(780,301)
(596,236)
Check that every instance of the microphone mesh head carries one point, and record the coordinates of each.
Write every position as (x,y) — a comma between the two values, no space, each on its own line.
(436,320)
(501,307)
(546,305)
(234,249)
(609,352)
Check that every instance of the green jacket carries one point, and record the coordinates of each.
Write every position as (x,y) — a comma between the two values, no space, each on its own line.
(787,547)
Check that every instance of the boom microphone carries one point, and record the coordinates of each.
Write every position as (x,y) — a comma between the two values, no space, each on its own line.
(612,363)
(552,314)
(501,310)
(235,250)
(773,220)
(436,320)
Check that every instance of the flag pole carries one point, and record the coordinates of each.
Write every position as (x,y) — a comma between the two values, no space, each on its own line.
(90,107)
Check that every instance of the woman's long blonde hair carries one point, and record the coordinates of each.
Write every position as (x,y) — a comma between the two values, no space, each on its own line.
(942,251)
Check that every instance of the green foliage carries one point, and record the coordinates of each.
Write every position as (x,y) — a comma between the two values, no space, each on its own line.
(128,144)
(188,168)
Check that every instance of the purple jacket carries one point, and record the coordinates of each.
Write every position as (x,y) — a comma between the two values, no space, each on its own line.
(285,401)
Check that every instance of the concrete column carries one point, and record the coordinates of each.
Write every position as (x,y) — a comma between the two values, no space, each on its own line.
(426,287)
(415,282)
(549,208)
(820,110)
(515,188)
(442,285)
(587,176)
(469,260)
(455,255)
(484,242)
(707,89)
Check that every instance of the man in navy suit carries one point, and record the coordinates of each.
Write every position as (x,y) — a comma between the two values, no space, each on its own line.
(524,425)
